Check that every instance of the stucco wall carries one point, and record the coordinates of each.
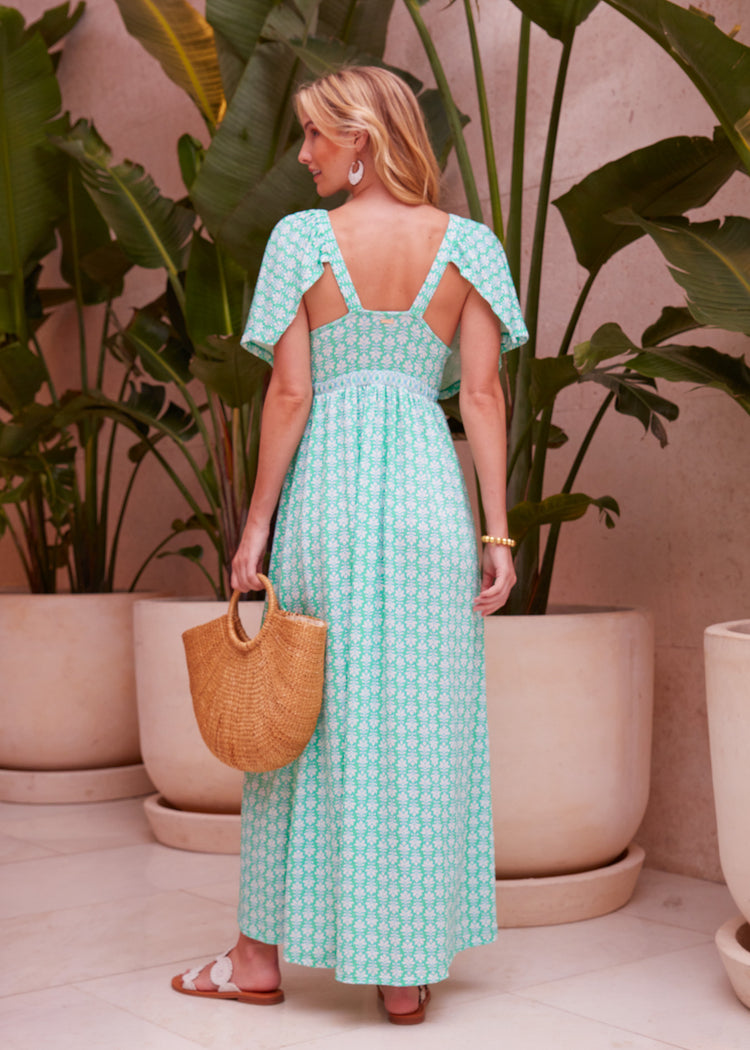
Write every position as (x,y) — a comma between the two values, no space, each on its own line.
(680,547)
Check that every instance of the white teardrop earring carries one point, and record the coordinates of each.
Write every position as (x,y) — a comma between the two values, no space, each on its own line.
(356,172)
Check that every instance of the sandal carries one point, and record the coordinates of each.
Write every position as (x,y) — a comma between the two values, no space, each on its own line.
(414,1016)
(221,975)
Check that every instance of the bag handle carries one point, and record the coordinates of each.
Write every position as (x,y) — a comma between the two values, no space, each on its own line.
(236,630)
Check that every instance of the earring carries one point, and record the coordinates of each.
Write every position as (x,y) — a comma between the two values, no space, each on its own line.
(356,172)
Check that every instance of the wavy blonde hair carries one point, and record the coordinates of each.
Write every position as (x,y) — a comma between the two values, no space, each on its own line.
(366,98)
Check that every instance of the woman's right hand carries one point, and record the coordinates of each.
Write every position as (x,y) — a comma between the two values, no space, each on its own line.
(248,561)
(498,577)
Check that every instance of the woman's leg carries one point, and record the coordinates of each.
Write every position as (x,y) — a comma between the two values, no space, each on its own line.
(255,967)
(400,1000)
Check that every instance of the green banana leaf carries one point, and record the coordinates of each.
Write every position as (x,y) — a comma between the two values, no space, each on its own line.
(564,506)
(21,376)
(239,22)
(559,18)
(673,320)
(700,365)
(151,229)
(718,65)
(31,171)
(667,178)
(711,260)
(182,41)
(363,24)
(55,23)
(228,370)
(84,232)
(550,375)
(148,338)
(214,286)
(249,178)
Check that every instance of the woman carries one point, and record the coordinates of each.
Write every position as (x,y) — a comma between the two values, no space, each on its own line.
(373,852)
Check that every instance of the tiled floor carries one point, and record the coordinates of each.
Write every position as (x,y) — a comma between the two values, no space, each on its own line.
(95,917)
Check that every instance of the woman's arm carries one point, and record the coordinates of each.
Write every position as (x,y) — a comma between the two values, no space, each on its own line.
(483,413)
(285,412)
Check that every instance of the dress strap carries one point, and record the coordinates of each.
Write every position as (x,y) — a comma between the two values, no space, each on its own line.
(435,273)
(332,253)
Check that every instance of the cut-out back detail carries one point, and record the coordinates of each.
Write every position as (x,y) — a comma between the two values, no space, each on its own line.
(424,294)
(375,340)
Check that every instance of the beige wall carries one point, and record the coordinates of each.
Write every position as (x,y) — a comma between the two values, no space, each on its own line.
(680,547)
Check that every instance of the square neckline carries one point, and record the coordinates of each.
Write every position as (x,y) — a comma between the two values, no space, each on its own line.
(356,303)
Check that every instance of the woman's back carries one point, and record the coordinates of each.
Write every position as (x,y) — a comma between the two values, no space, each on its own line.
(388,253)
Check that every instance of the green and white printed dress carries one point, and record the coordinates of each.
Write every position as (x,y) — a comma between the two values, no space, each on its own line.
(373,852)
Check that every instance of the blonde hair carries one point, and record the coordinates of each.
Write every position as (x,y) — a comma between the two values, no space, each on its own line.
(369,99)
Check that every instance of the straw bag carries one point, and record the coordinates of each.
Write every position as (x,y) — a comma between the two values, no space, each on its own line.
(257,699)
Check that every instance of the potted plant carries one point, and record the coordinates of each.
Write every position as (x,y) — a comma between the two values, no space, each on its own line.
(551,868)
(727,654)
(69,715)
(210,246)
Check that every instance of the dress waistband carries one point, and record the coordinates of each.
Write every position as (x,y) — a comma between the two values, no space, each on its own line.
(376,378)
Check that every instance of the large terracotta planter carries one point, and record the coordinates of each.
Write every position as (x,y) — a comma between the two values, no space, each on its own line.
(570,698)
(727,654)
(199,797)
(67,698)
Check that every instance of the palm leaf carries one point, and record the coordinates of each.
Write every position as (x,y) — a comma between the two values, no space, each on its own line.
(667,178)
(248,179)
(362,24)
(214,286)
(700,365)
(182,41)
(31,173)
(564,506)
(226,368)
(711,260)
(673,320)
(83,231)
(559,18)
(239,22)
(55,23)
(718,65)
(151,229)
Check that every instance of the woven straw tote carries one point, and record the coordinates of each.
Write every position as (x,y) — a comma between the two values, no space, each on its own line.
(257,700)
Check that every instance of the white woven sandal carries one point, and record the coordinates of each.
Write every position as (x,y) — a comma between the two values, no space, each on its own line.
(221,976)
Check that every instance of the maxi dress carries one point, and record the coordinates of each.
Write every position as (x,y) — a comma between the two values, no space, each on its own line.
(372,853)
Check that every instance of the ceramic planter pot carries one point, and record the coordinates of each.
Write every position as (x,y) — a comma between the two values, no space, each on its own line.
(727,655)
(67,698)
(570,699)
(199,797)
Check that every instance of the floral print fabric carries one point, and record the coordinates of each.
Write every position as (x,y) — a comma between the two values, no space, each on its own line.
(373,852)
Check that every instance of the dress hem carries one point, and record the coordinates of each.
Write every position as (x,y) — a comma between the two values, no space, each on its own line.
(433,977)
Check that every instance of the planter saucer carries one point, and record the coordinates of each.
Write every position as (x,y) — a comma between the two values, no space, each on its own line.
(733,944)
(74,785)
(183,829)
(569,898)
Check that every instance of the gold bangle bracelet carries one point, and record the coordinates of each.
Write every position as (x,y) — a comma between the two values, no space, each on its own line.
(499,541)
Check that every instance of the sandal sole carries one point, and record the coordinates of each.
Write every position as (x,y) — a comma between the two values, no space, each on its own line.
(255,998)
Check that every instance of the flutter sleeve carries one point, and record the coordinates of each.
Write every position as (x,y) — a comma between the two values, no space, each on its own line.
(480,257)
(291,264)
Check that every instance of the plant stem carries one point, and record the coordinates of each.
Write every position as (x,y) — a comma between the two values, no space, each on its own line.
(541,596)
(515,214)
(451,110)
(484,113)
(574,317)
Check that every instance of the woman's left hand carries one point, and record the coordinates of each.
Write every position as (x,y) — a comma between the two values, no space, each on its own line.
(498,577)
(248,561)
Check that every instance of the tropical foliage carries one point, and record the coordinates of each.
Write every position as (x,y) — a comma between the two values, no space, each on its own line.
(55,458)
(239,65)
(646,192)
